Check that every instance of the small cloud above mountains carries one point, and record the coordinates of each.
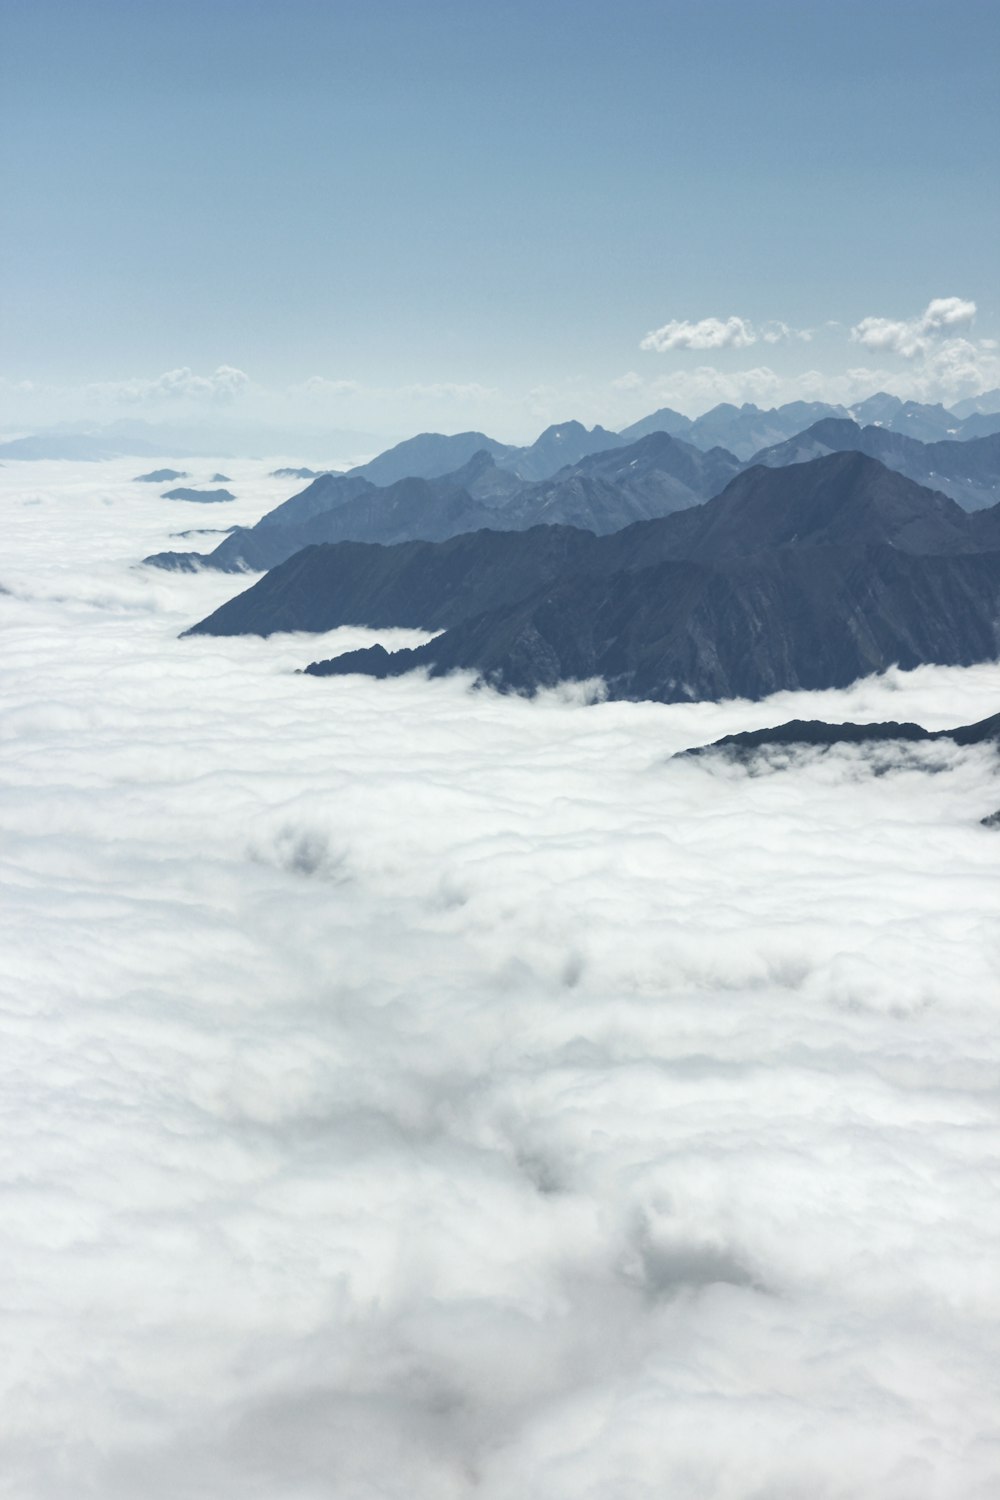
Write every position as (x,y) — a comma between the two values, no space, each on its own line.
(914,336)
(719,333)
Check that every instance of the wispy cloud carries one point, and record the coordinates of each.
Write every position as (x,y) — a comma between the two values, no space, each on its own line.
(223,385)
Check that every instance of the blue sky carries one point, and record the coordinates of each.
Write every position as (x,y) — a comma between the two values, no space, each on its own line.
(392,215)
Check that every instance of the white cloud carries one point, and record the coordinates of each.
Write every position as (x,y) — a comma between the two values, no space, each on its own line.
(719,333)
(709,333)
(913,337)
(416,1093)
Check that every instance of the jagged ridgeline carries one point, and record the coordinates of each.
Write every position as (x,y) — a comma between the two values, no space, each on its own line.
(653,474)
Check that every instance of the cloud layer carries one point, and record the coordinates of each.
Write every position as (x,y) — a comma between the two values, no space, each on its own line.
(412,1092)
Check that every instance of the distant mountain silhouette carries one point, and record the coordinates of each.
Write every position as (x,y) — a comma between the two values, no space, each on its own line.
(746,429)
(664,420)
(76,447)
(980,424)
(743,430)
(203,497)
(160,476)
(558,446)
(986,403)
(815,732)
(429,455)
(654,476)
(602,493)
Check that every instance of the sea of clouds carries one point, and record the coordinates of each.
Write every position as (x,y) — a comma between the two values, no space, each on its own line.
(412,1092)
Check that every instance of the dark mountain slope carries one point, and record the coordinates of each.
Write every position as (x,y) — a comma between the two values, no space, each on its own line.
(423,584)
(839,499)
(844,499)
(806,617)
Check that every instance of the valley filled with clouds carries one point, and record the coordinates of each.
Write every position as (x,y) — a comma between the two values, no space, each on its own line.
(415,1091)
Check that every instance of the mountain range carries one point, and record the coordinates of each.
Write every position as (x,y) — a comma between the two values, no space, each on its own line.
(602,492)
(743,430)
(806,576)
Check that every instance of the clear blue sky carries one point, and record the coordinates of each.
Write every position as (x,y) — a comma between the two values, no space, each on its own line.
(506,196)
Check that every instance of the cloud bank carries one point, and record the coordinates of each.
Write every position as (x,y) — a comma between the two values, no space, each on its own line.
(416,1093)
(932,356)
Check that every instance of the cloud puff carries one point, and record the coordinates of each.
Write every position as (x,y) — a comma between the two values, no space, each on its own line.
(709,333)
(417,1093)
(914,336)
(719,333)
